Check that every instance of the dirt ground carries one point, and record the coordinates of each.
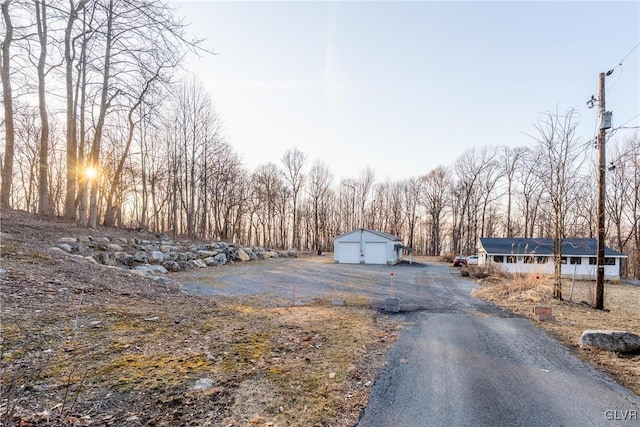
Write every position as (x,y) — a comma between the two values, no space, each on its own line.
(84,344)
(574,315)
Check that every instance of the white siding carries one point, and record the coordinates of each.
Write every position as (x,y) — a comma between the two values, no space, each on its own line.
(372,248)
(582,271)
(349,253)
(375,253)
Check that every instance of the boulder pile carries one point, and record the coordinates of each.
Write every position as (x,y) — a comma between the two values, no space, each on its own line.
(157,257)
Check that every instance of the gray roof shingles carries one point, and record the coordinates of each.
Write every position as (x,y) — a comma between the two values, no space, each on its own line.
(522,246)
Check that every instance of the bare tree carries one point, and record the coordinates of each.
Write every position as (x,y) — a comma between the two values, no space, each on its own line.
(71,106)
(105,102)
(41,23)
(491,173)
(412,192)
(558,168)
(531,189)
(467,193)
(511,160)
(152,73)
(268,186)
(364,185)
(293,161)
(7,101)
(435,196)
(320,179)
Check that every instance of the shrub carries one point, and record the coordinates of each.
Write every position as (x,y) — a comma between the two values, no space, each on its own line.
(533,287)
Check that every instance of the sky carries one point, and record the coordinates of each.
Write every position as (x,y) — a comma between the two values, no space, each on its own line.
(403,87)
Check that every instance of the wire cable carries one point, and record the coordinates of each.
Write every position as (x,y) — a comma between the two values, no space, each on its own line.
(623,126)
(622,60)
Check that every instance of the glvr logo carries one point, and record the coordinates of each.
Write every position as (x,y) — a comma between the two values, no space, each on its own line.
(621,414)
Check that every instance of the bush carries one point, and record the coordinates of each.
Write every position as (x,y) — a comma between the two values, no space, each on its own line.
(531,287)
(448,257)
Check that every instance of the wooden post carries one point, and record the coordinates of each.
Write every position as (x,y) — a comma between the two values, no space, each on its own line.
(602,161)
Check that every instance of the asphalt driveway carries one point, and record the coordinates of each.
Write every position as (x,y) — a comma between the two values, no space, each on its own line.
(458,361)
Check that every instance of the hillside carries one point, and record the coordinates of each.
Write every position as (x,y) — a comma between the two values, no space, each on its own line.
(88,344)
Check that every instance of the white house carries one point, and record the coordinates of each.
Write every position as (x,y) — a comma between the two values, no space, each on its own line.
(579,257)
(364,246)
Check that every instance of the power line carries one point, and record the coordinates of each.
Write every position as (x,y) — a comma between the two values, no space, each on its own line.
(624,126)
(622,60)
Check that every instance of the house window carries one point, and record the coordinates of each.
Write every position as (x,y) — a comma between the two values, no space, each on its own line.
(607,261)
(498,258)
(563,260)
(575,260)
(528,259)
(511,259)
(542,259)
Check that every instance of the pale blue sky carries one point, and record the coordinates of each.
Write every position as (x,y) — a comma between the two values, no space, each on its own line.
(403,87)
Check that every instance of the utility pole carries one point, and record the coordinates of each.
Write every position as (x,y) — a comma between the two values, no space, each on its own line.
(602,161)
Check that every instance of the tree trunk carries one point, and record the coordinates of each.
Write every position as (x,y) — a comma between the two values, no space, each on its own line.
(43,179)
(72,143)
(7,98)
(109,216)
(104,104)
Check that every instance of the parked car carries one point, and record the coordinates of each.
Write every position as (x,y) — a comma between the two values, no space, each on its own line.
(472,260)
(459,261)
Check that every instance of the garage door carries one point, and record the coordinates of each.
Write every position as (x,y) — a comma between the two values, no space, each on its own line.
(375,253)
(349,253)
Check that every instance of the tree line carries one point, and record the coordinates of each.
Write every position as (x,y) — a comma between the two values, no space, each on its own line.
(98,129)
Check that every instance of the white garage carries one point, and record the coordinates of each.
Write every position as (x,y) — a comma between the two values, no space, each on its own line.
(365,246)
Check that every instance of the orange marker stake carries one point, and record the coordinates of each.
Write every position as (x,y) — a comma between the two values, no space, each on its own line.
(393,289)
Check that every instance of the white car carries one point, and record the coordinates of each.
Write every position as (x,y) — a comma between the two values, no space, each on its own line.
(472,260)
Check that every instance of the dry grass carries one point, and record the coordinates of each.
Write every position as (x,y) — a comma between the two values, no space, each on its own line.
(574,315)
(498,286)
(88,345)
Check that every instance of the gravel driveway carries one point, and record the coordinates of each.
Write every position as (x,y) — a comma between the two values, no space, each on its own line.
(458,361)
(419,286)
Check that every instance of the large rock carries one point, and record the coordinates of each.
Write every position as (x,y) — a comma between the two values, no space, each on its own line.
(105,258)
(220,259)
(618,341)
(209,261)
(65,247)
(171,256)
(242,255)
(114,247)
(121,240)
(151,270)
(198,263)
(141,257)
(270,254)
(207,254)
(124,258)
(157,256)
(171,266)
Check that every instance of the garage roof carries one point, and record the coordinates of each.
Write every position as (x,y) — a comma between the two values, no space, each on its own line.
(379,233)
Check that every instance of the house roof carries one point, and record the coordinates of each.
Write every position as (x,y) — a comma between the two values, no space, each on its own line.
(522,246)
(379,233)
